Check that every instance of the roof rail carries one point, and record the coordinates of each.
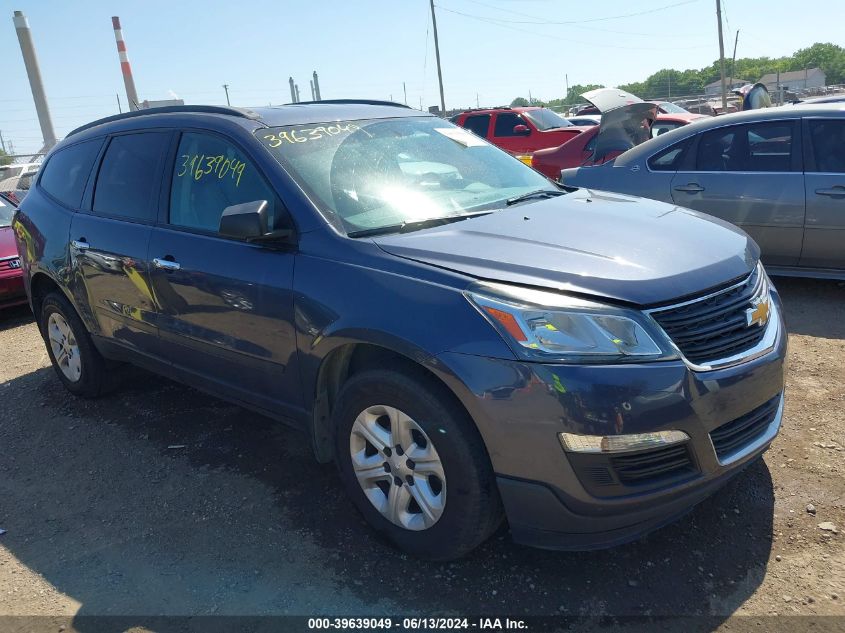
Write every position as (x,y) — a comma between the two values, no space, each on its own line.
(351,101)
(203,109)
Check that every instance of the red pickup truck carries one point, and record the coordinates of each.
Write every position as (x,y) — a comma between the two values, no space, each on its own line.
(519,130)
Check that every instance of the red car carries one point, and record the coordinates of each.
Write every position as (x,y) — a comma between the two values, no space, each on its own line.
(11,276)
(581,150)
(519,130)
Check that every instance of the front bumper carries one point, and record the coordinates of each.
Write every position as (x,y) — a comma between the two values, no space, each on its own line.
(562,500)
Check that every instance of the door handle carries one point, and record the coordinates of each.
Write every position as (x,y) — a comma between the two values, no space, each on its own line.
(166,264)
(692,187)
(81,244)
(834,192)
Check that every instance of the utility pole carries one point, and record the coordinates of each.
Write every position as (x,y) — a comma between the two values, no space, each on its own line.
(2,143)
(34,74)
(292,90)
(733,60)
(567,84)
(722,56)
(669,82)
(226,88)
(405,90)
(476,101)
(437,56)
(119,109)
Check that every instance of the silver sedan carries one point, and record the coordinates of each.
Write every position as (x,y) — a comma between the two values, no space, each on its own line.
(778,173)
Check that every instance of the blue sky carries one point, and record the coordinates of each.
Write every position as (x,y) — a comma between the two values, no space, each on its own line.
(497,49)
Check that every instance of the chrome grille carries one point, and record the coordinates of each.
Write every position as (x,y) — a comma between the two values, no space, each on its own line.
(10,263)
(716,325)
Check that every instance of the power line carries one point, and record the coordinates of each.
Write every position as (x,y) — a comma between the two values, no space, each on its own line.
(506,25)
(541,20)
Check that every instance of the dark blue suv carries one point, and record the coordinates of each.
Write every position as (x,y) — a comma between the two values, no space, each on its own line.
(464,338)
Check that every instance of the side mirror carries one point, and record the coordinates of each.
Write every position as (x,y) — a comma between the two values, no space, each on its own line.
(246,221)
(249,222)
(521,130)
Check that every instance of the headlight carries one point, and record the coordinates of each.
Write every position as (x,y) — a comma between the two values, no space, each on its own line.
(542,325)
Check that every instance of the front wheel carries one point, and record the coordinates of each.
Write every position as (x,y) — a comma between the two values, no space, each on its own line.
(414,464)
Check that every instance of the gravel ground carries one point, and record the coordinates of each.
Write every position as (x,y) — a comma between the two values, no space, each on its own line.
(160,500)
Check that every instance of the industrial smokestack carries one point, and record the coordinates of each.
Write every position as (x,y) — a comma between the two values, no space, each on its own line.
(316,87)
(128,81)
(292,90)
(296,88)
(34,73)
(313,98)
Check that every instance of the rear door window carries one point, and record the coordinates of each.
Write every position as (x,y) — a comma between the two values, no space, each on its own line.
(505,123)
(66,173)
(478,123)
(770,146)
(129,177)
(210,174)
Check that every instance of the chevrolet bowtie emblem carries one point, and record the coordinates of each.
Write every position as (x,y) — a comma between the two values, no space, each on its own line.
(758,313)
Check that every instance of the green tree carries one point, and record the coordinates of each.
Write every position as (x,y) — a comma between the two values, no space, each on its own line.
(829,57)
(5,159)
(519,102)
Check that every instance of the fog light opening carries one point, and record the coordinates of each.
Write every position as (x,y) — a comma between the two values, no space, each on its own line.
(575,443)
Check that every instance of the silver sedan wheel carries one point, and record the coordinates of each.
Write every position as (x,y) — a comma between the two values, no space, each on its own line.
(64,346)
(398,467)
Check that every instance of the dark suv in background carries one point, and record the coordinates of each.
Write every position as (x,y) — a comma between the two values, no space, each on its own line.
(461,336)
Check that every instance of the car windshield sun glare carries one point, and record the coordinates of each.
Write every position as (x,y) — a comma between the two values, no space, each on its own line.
(371,176)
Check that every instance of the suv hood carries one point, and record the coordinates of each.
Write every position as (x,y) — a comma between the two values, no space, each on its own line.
(618,247)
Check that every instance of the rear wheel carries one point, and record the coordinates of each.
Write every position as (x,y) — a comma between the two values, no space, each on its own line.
(77,362)
(414,464)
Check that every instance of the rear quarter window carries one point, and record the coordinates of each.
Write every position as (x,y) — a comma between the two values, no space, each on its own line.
(66,173)
(670,158)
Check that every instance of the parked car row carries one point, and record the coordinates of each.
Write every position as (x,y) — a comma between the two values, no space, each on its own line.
(16,179)
(614,121)
(462,336)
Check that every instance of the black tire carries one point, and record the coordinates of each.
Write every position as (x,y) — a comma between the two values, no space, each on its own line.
(472,510)
(92,380)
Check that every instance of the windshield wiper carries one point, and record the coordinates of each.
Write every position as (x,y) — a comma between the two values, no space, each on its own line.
(535,195)
(405,227)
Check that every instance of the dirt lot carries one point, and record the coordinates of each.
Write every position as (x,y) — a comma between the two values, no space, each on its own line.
(105,516)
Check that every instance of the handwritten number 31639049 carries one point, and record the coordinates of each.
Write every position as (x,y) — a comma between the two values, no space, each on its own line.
(199,166)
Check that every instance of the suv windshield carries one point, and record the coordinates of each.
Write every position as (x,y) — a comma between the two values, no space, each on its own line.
(377,173)
(545,119)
